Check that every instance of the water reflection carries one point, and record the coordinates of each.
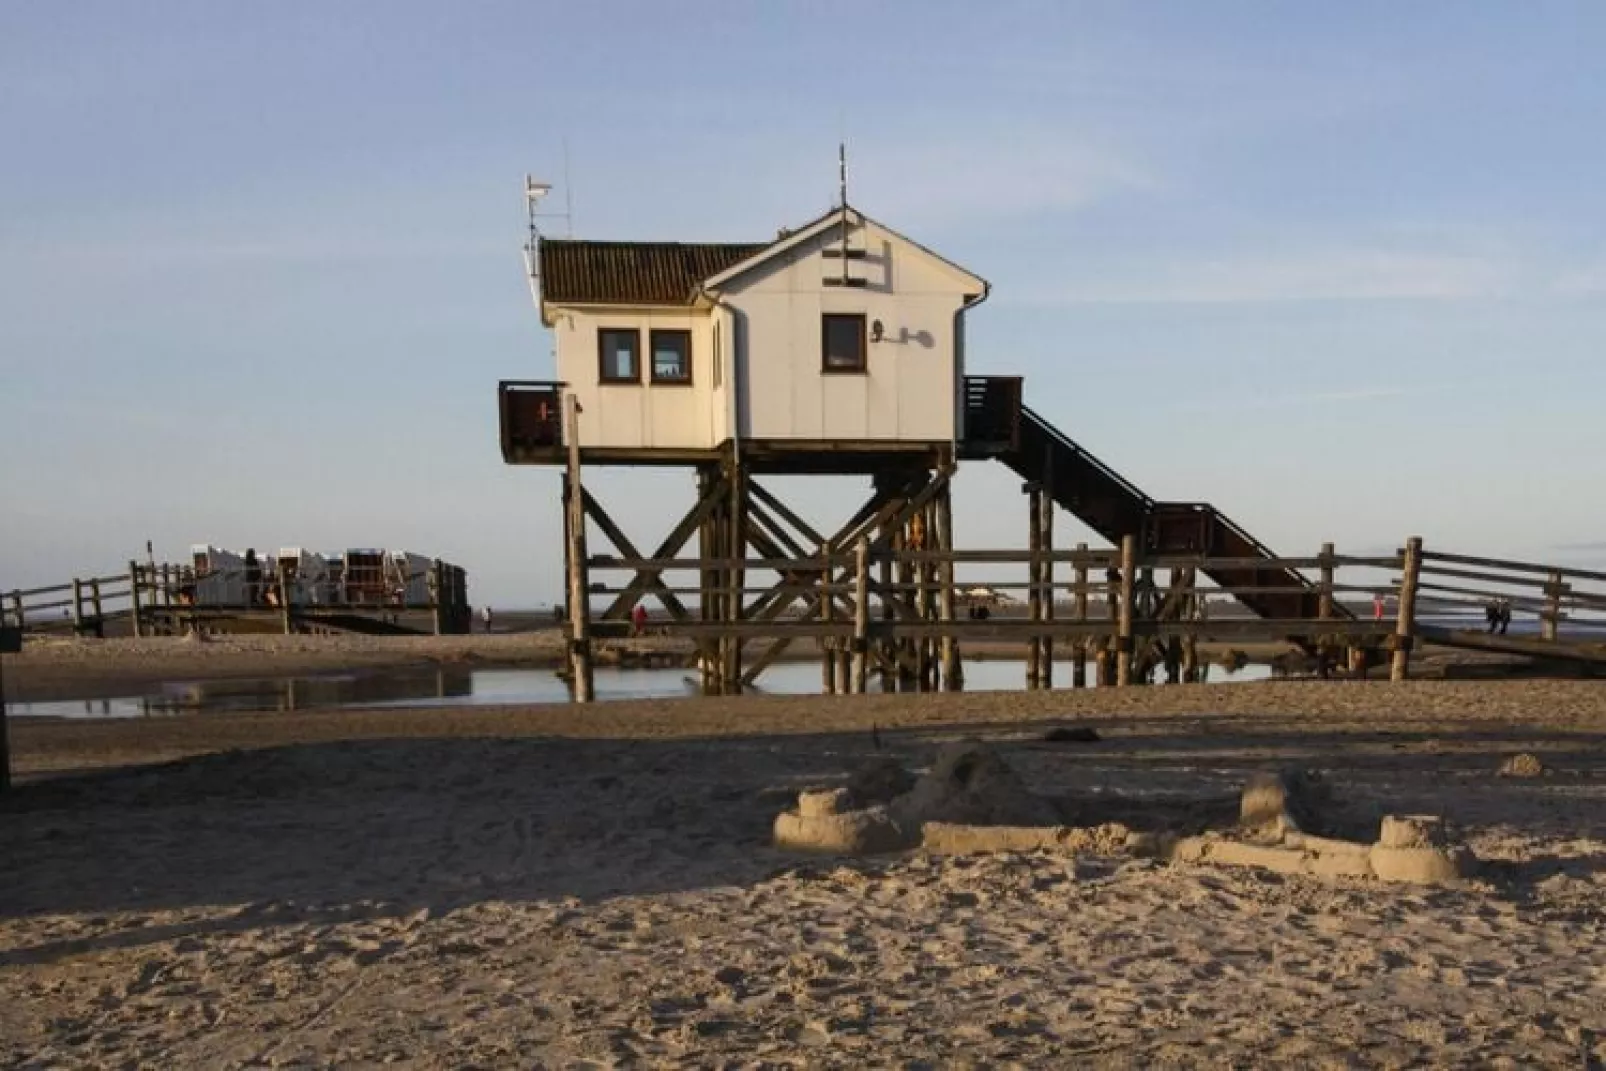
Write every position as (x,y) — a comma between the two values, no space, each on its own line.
(479,687)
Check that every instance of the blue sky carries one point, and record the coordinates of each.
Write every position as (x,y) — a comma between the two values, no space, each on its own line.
(1339,269)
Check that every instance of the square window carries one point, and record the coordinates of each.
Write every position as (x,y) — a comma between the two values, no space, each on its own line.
(671,356)
(843,348)
(619,353)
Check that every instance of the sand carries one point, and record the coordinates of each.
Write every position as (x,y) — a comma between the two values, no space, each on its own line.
(562,886)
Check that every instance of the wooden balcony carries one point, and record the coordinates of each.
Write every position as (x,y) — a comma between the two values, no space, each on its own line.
(532,419)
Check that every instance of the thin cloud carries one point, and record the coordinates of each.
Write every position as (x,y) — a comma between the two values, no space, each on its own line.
(1307,398)
(1345,275)
(993,173)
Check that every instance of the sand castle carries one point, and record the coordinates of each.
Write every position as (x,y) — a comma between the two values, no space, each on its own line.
(973,801)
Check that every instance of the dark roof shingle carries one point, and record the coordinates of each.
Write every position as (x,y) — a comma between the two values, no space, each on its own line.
(633,273)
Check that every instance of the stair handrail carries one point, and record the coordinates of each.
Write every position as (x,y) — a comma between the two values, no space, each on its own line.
(1064,440)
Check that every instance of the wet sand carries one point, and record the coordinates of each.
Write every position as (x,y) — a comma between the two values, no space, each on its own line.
(550,886)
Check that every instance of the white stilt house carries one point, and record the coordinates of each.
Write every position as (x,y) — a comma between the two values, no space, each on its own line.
(841,332)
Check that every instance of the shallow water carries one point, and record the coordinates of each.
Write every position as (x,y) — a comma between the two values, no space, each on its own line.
(484,687)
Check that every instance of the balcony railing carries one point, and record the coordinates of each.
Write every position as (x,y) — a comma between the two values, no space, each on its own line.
(531,416)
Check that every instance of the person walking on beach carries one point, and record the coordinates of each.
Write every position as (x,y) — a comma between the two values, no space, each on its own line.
(638,620)
(1377,607)
(485,616)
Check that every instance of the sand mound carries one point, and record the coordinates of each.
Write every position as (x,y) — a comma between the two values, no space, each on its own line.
(885,808)
(969,784)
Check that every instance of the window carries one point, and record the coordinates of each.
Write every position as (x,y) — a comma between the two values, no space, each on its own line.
(842,343)
(619,353)
(671,356)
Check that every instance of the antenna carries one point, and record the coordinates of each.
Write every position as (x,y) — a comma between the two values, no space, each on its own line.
(842,173)
(534,192)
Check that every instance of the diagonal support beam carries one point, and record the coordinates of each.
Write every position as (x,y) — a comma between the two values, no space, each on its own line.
(626,600)
(653,582)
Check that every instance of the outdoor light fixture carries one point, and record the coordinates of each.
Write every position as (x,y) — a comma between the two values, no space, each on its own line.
(875,331)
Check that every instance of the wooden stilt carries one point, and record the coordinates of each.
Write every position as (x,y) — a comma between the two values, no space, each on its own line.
(1034,595)
(945,588)
(1045,664)
(579,588)
(827,606)
(736,550)
(1079,651)
(1123,649)
(861,615)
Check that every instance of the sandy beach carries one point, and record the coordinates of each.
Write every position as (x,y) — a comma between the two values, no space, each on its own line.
(563,886)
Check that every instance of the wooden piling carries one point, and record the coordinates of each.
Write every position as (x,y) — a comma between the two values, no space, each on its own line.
(579,596)
(1123,638)
(1079,650)
(77,606)
(134,613)
(95,604)
(1045,658)
(1034,595)
(735,576)
(827,611)
(945,590)
(861,615)
(1405,623)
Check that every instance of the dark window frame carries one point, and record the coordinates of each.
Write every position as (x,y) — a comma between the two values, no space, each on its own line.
(603,375)
(652,357)
(826,367)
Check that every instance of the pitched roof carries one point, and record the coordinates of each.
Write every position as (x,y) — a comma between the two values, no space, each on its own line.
(633,273)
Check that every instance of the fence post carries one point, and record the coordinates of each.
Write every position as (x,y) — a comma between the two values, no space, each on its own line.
(5,730)
(133,597)
(1550,619)
(1405,624)
(284,599)
(16,608)
(861,615)
(1324,607)
(1123,639)
(437,595)
(77,606)
(94,601)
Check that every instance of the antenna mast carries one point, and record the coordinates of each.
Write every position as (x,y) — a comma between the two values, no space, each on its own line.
(533,192)
(842,173)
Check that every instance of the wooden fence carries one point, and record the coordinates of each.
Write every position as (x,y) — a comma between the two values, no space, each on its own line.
(154,598)
(1360,607)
